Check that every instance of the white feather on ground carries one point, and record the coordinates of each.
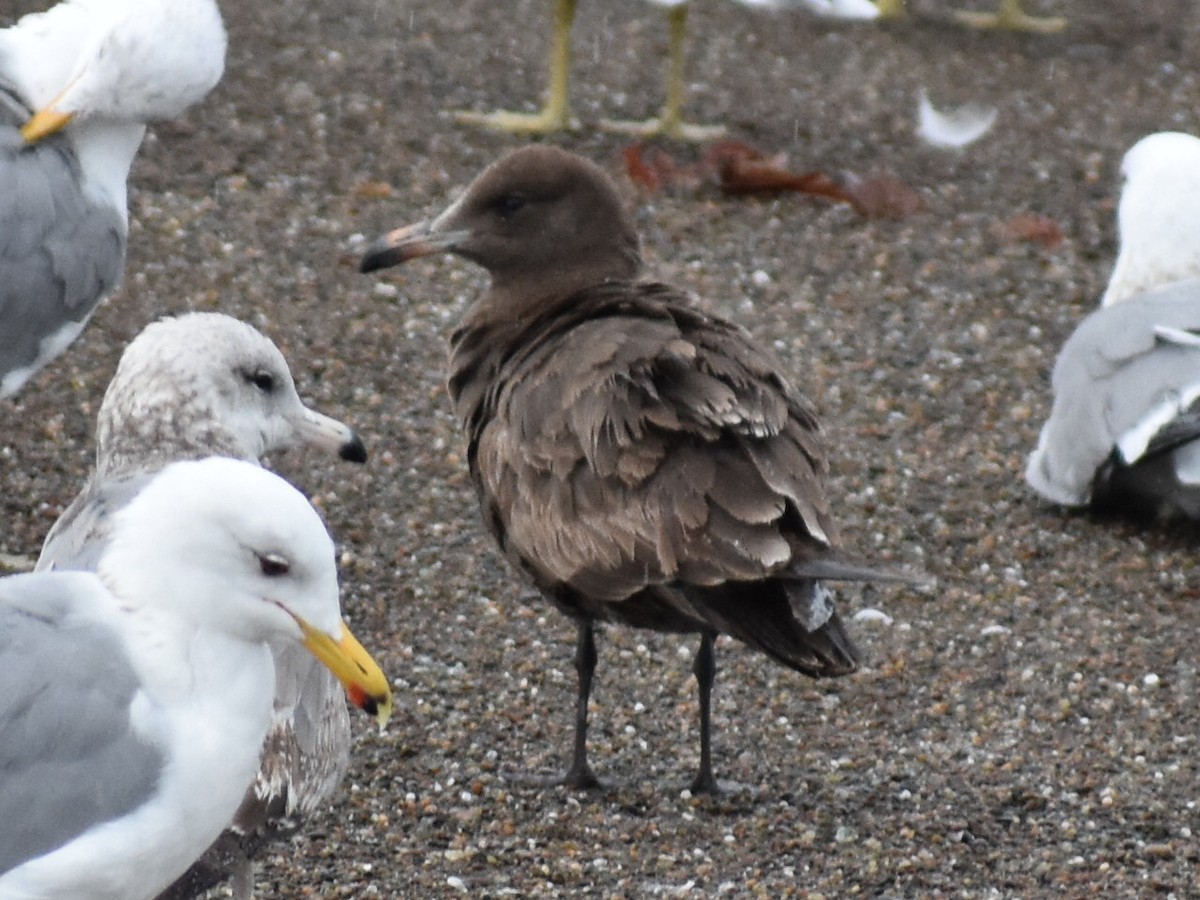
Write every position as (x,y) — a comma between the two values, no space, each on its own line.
(953,128)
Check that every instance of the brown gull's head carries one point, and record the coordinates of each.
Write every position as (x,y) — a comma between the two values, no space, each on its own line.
(541,220)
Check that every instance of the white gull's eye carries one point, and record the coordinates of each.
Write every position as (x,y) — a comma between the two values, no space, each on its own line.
(273,565)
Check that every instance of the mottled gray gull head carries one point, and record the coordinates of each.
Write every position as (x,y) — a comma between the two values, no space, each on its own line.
(205,384)
(541,220)
(1158,217)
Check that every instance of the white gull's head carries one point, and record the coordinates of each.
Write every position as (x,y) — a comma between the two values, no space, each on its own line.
(1158,217)
(234,547)
(223,545)
(120,63)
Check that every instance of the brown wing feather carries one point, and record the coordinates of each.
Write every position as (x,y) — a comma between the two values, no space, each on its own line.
(632,441)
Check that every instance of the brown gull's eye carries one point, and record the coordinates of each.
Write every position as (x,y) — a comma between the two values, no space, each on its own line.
(509,204)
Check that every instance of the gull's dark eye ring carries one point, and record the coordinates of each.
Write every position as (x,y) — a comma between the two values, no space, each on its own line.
(273,565)
(262,380)
(509,204)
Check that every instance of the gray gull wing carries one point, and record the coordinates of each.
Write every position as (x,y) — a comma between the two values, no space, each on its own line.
(69,745)
(78,537)
(61,252)
(1124,384)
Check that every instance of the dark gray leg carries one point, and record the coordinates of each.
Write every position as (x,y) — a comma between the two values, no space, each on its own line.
(580,774)
(705,669)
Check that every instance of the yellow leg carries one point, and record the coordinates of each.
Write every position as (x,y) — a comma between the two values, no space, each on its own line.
(555,115)
(670,122)
(1010,15)
(890,9)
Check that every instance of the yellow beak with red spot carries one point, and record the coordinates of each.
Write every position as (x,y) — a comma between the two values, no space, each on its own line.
(366,685)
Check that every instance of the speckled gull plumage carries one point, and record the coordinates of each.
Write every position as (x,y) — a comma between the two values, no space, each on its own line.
(188,387)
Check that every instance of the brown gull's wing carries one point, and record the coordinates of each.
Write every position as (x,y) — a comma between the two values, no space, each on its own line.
(633,441)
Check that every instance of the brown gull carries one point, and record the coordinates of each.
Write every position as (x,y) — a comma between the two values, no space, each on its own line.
(641,461)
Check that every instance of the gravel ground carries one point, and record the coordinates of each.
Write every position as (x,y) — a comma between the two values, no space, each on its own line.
(1026,728)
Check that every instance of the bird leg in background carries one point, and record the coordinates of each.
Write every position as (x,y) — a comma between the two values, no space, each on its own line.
(12,563)
(670,122)
(705,669)
(890,9)
(555,115)
(580,774)
(1009,15)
